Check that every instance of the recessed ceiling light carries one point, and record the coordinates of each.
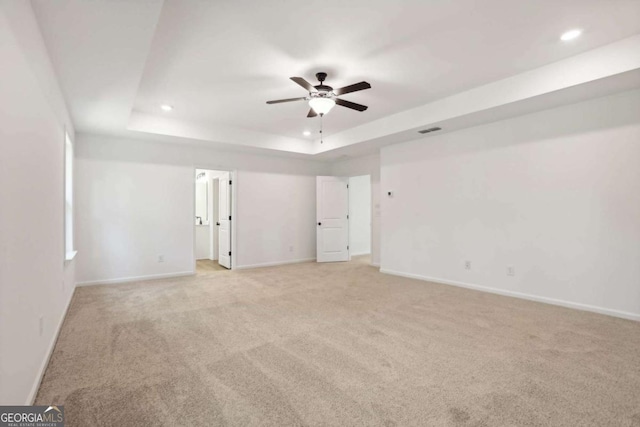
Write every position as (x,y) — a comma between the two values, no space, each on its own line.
(570,35)
(166,107)
(306,133)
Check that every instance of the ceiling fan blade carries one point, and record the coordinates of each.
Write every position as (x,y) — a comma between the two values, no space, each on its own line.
(352,88)
(278,101)
(305,84)
(312,113)
(351,105)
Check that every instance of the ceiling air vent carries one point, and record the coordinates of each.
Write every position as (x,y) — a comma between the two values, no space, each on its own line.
(429,130)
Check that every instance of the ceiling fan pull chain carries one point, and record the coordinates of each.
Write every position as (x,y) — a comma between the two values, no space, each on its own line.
(321,141)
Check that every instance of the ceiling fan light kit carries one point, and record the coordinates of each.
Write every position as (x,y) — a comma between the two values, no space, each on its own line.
(321,105)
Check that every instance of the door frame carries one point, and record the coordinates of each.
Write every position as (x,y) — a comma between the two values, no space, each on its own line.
(233,176)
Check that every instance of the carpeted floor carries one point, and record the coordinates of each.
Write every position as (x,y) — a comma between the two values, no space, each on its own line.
(206,266)
(336,344)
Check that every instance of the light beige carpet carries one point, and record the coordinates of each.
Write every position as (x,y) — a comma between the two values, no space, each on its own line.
(206,266)
(336,344)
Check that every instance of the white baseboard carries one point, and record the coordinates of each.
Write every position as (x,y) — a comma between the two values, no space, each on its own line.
(135,278)
(273,264)
(375,264)
(43,367)
(360,253)
(553,301)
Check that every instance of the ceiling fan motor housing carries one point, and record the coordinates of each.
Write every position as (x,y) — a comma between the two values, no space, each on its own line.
(324,89)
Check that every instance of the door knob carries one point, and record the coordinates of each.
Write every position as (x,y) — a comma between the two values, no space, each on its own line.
(319,223)
(217,223)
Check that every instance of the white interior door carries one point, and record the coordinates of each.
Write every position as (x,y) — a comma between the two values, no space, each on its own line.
(332,206)
(224,219)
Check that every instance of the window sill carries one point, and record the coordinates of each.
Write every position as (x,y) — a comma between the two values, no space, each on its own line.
(69,256)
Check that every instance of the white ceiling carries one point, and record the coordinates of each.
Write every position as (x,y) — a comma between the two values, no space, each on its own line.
(218,62)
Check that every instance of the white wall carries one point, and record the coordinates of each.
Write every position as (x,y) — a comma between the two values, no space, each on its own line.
(360,215)
(120,182)
(366,165)
(35,282)
(552,194)
(276,218)
(128,215)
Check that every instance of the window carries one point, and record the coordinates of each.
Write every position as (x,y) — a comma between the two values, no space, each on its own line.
(68,199)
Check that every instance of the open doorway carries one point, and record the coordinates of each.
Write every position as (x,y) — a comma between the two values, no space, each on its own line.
(212,233)
(360,218)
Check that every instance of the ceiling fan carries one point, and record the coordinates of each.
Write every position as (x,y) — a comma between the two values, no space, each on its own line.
(322,98)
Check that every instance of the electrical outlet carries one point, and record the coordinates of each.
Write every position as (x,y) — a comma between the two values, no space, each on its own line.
(511,271)
(41,325)
(467,265)
(160,258)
